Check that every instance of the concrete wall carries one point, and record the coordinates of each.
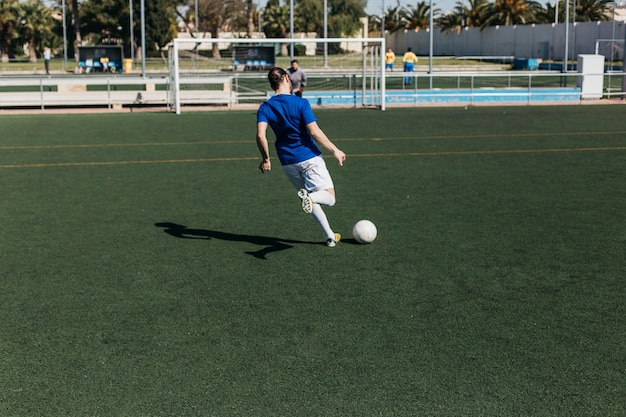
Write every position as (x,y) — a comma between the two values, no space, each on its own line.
(522,41)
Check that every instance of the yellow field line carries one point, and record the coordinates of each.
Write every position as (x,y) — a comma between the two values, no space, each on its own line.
(406,154)
(161,161)
(495,152)
(226,142)
(114,145)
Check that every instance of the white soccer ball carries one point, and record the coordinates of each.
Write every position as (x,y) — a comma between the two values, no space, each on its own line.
(364,231)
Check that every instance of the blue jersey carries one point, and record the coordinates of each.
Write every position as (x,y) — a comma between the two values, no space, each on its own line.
(288,117)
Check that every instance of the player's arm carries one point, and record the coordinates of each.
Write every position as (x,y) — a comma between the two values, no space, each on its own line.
(321,138)
(263,145)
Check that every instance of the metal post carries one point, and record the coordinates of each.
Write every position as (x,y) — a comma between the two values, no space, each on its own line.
(64,38)
(143,39)
(197,24)
(382,23)
(325,33)
(430,47)
(132,33)
(566,53)
(291,54)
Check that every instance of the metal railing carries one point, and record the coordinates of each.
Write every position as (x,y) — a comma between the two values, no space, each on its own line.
(231,89)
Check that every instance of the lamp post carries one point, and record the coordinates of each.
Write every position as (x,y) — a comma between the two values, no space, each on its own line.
(382,22)
(132,35)
(291,29)
(143,39)
(430,46)
(196,20)
(64,38)
(566,53)
(325,33)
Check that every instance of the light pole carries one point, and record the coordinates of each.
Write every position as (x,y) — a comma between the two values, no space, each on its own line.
(291,28)
(64,37)
(132,35)
(196,19)
(382,22)
(325,33)
(430,46)
(566,54)
(143,39)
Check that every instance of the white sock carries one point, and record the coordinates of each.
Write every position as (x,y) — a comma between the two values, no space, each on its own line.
(323,197)
(319,215)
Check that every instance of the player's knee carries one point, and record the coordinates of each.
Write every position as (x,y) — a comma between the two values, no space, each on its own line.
(332,199)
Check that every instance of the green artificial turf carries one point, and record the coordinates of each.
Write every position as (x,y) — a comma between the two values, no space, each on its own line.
(148,269)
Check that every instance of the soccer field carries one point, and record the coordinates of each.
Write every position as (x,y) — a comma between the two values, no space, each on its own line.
(148,269)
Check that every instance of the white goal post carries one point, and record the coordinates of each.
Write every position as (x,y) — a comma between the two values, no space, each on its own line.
(610,50)
(358,80)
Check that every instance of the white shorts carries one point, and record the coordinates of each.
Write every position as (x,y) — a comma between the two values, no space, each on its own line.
(312,175)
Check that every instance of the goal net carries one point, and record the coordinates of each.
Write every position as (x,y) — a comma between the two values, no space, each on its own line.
(612,49)
(341,72)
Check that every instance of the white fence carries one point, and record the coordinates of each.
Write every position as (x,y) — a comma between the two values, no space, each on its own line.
(232,91)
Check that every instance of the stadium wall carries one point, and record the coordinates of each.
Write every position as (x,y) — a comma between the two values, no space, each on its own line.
(546,42)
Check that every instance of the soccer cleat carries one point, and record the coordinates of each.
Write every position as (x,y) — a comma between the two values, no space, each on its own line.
(331,243)
(307,203)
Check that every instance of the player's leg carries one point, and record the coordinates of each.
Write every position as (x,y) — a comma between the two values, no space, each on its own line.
(318,180)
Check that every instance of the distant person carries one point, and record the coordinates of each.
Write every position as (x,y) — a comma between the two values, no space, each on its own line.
(105,63)
(390,57)
(409,59)
(46,59)
(297,138)
(297,77)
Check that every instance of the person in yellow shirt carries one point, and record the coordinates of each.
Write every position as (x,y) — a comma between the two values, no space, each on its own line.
(409,59)
(389,58)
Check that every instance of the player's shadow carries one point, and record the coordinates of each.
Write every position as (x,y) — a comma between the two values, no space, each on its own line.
(270,244)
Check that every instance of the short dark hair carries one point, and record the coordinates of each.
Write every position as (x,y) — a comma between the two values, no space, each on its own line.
(275,77)
(295,61)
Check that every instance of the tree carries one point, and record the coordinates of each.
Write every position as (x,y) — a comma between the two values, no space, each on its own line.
(593,10)
(250,8)
(472,15)
(74,11)
(276,22)
(8,28)
(309,16)
(106,20)
(344,17)
(418,17)
(35,24)
(548,13)
(394,19)
(160,19)
(216,16)
(511,12)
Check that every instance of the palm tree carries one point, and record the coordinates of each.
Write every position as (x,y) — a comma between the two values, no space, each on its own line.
(477,12)
(394,19)
(548,14)
(8,27)
(464,16)
(276,22)
(593,10)
(418,17)
(511,12)
(35,25)
(451,22)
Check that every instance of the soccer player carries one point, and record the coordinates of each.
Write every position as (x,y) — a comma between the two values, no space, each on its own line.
(410,60)
(390,57)
(297,138)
